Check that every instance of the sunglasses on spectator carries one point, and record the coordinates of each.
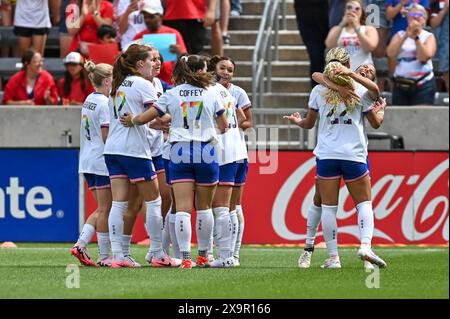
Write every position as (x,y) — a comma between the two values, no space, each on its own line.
(349,7)
(415,14)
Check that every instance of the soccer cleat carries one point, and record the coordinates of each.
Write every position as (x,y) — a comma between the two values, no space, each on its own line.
(236,262)
(304,261)
(366,253)
(105,262)
(332,263)
(124,263)
(165,261)
(187,264)
(368,265)
(133,261)
(222,263)
(202,262)
(83,256)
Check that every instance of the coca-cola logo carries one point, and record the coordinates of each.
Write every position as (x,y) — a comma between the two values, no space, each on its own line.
(388,197)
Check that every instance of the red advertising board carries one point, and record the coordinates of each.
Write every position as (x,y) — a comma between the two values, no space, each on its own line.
(410,195)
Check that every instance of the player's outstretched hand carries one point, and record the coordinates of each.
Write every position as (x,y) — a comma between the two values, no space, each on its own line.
(295,118)
(126,119)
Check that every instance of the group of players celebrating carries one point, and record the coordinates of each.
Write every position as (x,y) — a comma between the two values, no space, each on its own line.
(167,153)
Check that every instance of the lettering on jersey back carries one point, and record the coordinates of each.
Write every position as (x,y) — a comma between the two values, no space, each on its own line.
(89,105)
(187,93)
(127,83)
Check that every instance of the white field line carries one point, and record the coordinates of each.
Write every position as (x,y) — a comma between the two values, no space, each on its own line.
(268,249)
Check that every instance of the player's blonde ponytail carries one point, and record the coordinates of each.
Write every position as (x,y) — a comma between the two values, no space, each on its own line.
(97,73)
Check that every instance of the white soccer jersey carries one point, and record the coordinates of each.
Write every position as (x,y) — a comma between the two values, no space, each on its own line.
(134,95)
(341,135)
(231,149)
(94,116)
(243,102)
(193,111)
(156,137)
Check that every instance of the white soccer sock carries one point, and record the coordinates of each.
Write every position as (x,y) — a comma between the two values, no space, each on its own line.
(154,223)
(166,235)
(115,224)
(126,241)
(330,229)
(204,227)
(183,232)
(86,235)
(223,221)
(104,245)
(173,237)
(365,222)
(211,242)
(240,216)
(234,231)
(312,223)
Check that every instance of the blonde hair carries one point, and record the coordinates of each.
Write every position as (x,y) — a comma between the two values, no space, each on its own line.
(98,72)
(338,54)
(332,97)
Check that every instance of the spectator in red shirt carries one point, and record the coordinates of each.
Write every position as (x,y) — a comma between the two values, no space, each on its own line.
(93,14)
(75,86)
(191,17)
(153,13)
(32,85)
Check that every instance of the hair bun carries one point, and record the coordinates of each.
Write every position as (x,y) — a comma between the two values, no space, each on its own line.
(89,66)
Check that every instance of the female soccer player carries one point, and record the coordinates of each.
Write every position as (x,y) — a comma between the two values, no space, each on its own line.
(93,133)
(135,202)
(128,154)
(194,108)
(341,151)
(315,211)
(234,165)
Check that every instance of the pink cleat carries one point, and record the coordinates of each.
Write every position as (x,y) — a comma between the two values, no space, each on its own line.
(124,263)
(81,253)
(166,261)
(105,262)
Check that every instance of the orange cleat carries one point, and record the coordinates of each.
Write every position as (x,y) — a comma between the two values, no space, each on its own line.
(81,253)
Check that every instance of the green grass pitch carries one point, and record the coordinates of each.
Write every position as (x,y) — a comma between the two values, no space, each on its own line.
(39,271)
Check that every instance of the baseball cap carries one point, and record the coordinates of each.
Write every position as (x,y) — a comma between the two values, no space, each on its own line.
(73,57)
(153,7)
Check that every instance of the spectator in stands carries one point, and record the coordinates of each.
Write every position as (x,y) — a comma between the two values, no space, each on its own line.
(153,13)
(106,34)
(397,10)
(414,82)
(32,24)
(358,39)
(32,85)
(236,8)
(130,20)
(383,28)
(439,22)
(75,87)
(312,21)
(93,14)
(190,18)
